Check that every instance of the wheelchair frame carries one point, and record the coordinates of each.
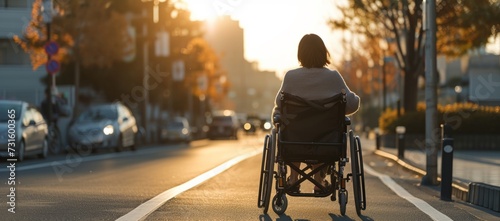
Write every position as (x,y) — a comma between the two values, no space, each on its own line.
(275,164)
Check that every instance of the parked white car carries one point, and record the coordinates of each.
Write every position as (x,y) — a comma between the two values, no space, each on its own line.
(104,126)
(28,134)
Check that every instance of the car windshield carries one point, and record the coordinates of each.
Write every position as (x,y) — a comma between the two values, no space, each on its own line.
(176,124)
(97,114)
(6,108)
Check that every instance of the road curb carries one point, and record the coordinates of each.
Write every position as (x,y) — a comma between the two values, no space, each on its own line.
(460,190)
(485,195)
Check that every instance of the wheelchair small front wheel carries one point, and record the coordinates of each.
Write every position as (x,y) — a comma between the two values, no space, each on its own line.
(280,203)
(343,202)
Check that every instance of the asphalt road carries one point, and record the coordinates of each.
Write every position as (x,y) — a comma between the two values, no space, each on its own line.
(167,182)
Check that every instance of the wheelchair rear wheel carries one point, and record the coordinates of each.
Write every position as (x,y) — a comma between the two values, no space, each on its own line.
(266,175)
(358,177)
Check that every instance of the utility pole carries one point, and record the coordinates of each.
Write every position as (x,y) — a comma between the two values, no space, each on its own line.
(47,14)
(431,127)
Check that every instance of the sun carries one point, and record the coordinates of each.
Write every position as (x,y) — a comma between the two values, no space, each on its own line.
(203,9)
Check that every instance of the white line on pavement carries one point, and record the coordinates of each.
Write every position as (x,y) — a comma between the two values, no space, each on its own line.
(143,210)
(72,158)
(420,204)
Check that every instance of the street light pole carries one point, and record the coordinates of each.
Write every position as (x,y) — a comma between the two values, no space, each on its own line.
(431,127)
(145,47)
(384,86)
(47,18)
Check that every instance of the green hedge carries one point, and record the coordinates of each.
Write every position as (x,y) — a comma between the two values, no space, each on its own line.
(464,118)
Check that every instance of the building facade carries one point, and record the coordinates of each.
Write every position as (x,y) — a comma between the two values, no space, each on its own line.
(18,80)
(252,91)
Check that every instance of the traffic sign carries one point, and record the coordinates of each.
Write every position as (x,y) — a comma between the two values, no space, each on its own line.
(51,48)
(53,66)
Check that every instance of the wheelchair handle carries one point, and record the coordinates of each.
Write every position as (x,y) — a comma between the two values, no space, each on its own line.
(277,119)
(347,121)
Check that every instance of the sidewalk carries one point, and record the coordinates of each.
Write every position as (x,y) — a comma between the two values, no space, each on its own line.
(471,170)
(468,166)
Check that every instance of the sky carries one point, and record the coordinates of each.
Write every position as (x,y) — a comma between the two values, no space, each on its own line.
(273,28)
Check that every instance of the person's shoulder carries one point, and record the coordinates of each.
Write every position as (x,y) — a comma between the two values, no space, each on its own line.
(328,70)
(292,73)
(333,72)
(295,71)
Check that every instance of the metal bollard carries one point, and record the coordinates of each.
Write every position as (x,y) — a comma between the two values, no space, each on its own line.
(377,138)
(400,141)
(446,162)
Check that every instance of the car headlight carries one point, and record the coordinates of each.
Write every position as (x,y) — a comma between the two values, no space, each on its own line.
(108,130)
(267,125)
(247,126)
(185,131)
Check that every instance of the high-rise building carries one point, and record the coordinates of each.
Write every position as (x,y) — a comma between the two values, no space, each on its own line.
(251,91)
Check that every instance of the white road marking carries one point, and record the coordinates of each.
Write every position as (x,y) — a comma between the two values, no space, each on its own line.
(143,210)
(400,191)
(72,158)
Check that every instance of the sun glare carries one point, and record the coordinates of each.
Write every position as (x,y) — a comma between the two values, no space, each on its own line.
(202,9)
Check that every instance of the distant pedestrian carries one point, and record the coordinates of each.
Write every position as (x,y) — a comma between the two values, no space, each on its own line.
(314,81)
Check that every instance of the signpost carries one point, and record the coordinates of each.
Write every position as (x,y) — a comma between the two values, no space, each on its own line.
(51,48)
(52,67)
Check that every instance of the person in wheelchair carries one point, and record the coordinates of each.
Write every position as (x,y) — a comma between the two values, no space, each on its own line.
(314,81)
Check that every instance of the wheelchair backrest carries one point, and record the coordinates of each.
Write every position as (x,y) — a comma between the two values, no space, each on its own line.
(321,121)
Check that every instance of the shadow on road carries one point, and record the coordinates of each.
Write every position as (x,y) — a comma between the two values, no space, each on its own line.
(336,217)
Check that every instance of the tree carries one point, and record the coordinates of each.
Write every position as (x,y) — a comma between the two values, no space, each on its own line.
(91,33)
(364,76)
(462,25)
(203,63)
(187,44)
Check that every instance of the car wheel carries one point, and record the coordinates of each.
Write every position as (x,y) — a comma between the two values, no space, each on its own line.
(119,146)
(20,151)
(134,145)
(45,149)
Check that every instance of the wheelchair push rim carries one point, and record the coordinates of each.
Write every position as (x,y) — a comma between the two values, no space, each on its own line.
(266,176)
(358,179)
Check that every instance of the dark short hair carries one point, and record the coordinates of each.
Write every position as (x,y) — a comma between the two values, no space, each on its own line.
(312,52)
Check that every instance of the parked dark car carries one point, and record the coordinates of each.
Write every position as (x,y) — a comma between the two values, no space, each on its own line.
(25,123)
(224,124)
(104,126)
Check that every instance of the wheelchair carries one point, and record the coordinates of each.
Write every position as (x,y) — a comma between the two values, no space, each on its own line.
(314,133)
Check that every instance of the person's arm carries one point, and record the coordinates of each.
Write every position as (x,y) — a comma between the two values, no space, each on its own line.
(277,103)
(353,100)
(352,105)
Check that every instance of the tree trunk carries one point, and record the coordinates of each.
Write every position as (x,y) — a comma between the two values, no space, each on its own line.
(410,91)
